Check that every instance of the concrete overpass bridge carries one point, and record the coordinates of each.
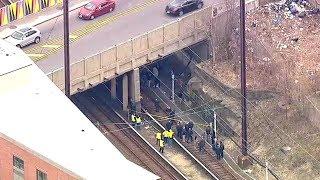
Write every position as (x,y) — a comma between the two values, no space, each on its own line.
(136,52)
(126,58)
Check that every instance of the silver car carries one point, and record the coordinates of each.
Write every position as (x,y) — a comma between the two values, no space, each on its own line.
(24,37)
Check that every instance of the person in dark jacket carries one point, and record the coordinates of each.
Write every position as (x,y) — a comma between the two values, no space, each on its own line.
(189,135)
(179,130)
(221,149)
(184,134)
(208,133)
(169,125)
(218,151)
(202,144)
(186,126)
(190,125)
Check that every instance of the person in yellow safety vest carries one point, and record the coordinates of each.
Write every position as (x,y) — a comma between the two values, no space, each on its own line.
(161,144)
(165,136)
(158,137)
(138,121)
(170,137)
(133,120)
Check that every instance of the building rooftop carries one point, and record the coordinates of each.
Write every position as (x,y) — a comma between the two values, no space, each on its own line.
(37,115)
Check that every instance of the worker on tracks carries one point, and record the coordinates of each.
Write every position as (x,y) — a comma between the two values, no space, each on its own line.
(208,133)
(138,122)
(170,137)
(165,136)
(219,149)
(201,145)
(133,120)
(184,133)
(158,137)
(161,145)
(189,135)
(169,124)
(179,128)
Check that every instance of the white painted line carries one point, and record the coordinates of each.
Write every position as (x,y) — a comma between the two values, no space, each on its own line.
(51,46)
(35,55)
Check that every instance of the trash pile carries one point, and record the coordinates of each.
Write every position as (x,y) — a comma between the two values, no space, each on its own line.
(292,8)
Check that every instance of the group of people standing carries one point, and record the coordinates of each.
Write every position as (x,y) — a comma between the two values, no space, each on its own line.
(185,131)
(136,121)
(166,137)
(217,146)
(185,134)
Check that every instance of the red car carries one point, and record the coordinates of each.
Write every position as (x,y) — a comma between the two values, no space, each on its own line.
(96,8)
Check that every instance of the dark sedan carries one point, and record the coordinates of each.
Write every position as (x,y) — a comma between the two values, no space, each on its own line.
(180,7)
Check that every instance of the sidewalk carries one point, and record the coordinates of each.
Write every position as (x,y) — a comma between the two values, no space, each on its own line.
(40,17)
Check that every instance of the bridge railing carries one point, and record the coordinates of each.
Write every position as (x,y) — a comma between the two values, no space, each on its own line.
(137,51)
(22,8)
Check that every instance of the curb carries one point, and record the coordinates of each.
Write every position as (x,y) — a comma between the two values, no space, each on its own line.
(7,32)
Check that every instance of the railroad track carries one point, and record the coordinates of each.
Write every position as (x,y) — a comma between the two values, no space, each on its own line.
(117,130)
(208,158)
(177,155)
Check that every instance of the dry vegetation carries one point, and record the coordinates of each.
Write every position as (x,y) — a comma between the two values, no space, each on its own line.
(283,60)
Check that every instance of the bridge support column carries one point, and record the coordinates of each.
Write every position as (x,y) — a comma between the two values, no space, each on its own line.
(114,88)
(134,88)
(125,92)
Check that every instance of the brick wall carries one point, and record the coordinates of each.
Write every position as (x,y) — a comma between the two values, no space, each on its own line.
(32,162)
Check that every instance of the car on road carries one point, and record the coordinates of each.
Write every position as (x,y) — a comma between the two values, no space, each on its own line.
(180,7)
(96,8)
(24,36)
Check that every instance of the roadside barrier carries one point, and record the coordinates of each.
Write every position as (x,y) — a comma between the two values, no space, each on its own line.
(22,8)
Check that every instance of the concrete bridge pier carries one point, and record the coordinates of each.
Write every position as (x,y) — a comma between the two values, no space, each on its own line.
(130,89)
(125,98)
(134,88)
(114,89)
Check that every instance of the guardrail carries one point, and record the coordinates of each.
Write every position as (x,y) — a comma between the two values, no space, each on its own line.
(22,8)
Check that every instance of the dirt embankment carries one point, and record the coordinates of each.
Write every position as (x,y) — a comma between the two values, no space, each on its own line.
(282,60)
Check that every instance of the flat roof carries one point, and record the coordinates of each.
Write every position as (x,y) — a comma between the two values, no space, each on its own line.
(36,114)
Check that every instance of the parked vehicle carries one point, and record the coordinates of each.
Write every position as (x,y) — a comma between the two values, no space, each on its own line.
(180,7)
(96,8)
(24,37)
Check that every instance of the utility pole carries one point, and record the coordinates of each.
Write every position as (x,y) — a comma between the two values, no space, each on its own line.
(244,145)
(244,159)
(215,126)
(172,83)
(66,48)
(267,175)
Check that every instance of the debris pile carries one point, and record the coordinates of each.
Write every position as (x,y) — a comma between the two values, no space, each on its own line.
(283,45)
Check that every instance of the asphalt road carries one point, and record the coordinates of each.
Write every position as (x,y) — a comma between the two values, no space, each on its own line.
(129,19)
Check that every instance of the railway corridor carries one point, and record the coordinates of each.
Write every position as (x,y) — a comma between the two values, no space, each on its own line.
(129,143)
(175,154)
(208,158)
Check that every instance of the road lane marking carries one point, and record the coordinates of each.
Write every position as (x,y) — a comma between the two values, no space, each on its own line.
(35,55)
(85,30)
(71,36)
(51,46)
